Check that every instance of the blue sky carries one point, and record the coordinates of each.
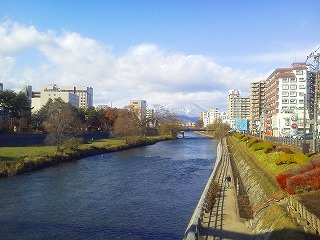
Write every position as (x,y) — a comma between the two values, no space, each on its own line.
(162,51)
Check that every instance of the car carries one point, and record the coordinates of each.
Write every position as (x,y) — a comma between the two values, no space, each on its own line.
(305,136)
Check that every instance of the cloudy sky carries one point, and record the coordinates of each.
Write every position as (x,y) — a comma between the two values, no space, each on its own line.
(163,51)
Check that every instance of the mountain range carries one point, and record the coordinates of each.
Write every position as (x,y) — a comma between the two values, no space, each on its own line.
(188,112)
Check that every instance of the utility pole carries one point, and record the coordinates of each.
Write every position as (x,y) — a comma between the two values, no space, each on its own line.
(315,56)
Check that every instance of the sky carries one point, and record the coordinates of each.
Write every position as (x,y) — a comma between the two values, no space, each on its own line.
(161,51)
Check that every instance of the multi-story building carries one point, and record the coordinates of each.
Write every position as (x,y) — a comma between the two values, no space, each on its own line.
(139,107)
(1,86)
(256,105)
(238,107)
(85,94)
(39,99)
(77,96)
(150,118)
(212,115)
(285,91)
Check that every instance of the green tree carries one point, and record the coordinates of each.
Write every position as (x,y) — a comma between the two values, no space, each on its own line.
(62,123)
(13,108)
(92,118)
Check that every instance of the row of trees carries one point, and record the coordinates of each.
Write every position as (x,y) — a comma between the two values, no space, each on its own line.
(61,121)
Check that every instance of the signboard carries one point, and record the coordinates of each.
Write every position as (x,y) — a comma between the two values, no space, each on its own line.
(242,124)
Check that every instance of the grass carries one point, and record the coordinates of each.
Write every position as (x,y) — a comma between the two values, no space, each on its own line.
(16,153)
(19,160)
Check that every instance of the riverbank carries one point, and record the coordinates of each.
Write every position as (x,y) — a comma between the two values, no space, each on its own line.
(267,211)
(20,160)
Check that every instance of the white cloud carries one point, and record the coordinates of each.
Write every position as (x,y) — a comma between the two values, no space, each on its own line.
(145,72)
(15,37)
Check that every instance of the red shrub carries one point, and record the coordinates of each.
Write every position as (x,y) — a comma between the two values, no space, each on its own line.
(306,181)
(282,177)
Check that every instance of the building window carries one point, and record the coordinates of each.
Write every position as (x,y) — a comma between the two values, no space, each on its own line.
(285,80)
(285,87)
(301,101)
(293,94)
(301,94)
(302,80)
(293,87)
(302,87)
(285,94)
(293,80)
(293,100)
(284,101)
(299,72)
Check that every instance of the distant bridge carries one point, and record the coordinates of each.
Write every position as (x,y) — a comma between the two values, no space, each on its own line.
(186,129)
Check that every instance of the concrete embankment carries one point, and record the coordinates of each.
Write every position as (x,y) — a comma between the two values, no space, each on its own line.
(269,216)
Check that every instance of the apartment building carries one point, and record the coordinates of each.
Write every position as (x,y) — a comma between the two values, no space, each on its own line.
(139,107)
(211,115)
(256,105)
(285,91)
(238,107)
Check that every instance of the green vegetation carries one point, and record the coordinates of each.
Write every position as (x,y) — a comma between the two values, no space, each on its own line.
(218,129)
(262,165)
(291,158)
(18,160)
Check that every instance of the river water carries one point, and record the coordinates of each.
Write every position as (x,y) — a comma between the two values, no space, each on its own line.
(143,193)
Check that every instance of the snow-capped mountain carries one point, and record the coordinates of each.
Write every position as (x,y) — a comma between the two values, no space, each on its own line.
(187,111)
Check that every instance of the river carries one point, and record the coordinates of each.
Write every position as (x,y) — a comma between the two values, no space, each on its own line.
(144,193)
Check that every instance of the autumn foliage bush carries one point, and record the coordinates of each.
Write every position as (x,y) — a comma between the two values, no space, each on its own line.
(304,178)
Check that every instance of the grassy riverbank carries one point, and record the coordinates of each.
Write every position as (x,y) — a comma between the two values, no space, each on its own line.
(264,167)
(19,160)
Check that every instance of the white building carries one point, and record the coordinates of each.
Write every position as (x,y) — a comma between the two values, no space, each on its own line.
(238,107)
(76,96)
(39,99)
(285,92)
(212,115)
(85,94)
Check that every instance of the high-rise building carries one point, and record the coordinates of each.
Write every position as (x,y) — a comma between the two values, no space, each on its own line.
(139,107)
(256,105)
(238,107)
(1,86)
(285,91)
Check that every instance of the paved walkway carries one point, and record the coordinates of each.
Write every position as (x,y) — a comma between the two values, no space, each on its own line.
(229,225)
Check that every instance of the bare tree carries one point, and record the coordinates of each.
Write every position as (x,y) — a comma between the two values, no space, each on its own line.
(62,123)
(218,129)
(129,126)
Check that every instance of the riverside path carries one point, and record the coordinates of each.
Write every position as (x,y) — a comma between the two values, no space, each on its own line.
(218,218)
